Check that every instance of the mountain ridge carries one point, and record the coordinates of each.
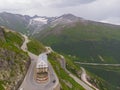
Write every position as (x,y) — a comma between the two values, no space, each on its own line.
(87,42)
(30,25)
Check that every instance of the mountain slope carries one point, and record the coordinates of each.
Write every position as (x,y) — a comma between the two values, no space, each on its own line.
(14,21)
(87,41)
(24,23)
(67,83)
(13,61)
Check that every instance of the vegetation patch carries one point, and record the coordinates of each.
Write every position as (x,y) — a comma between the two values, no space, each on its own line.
(1,86)
(107,73)
(35,47)
(67,83)
(85,41)
(99,76)
(89,42)
(14,38)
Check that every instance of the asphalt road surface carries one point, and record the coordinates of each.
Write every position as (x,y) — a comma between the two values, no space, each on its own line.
(29,82)
(82,83)
(100,64)
(84,78)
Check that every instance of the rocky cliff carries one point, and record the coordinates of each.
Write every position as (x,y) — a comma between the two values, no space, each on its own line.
(13,61)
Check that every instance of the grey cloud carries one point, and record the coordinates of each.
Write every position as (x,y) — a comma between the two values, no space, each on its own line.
(82,1)
(98,10)
(70,3)
(112,20)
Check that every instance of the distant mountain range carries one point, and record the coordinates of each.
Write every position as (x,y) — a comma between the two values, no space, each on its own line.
(22,23)
(31,25)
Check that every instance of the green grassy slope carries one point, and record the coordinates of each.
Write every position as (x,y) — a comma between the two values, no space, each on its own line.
(67,83)
(35,47)
(97,79)
(88,42)
(110,74)
(14,21)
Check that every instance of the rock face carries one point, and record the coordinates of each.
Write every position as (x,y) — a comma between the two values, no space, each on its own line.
(13,67)
(13,63)
(2,34)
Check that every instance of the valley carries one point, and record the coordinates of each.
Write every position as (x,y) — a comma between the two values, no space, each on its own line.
(88,42)
(95,46)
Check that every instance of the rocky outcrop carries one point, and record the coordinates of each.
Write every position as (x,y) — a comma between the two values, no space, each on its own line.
(13,64)
(2,34)
(13,67)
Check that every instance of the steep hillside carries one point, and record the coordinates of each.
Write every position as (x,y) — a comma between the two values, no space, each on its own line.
(67,83)
(14,21)
(104,77)
(87,41)
(35,47)
(13,61)
(24,23)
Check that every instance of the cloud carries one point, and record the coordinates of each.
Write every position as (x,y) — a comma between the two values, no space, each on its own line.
(98,10)
(112,20)
(17,5)
(21,4)
(69,3)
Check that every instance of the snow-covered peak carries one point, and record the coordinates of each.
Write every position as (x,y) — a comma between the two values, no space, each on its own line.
(39,19)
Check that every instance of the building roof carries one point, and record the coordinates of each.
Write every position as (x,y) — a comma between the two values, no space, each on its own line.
(42,61)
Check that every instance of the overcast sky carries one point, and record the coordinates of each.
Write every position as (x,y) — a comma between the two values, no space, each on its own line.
(98,10)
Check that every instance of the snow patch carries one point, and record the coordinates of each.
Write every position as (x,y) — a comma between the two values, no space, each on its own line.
(42,20)
(39,21)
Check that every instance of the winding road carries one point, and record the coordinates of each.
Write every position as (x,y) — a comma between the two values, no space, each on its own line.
(84,75)
(100,64)
(29,83)
(84,78)
(85,84)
